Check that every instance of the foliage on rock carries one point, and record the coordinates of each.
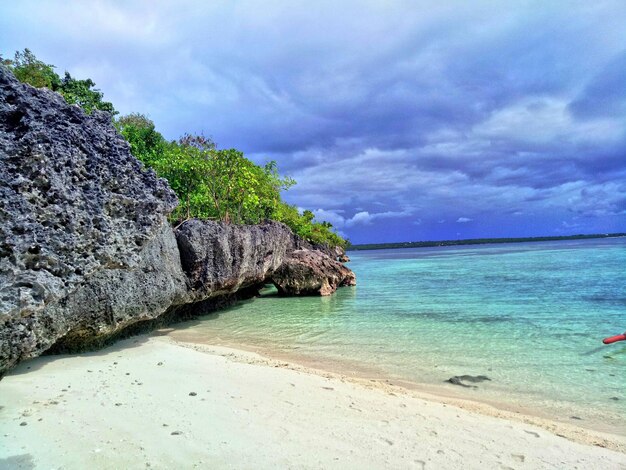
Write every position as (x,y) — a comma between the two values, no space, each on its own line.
(303,224)
(28,69)
(211,183)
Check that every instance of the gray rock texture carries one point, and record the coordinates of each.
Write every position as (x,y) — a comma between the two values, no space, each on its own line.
(113,299)
(307,272)
(221,258)
(77,211)
(86,252)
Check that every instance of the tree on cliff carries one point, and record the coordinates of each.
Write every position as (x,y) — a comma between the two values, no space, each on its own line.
(83,93)
(146,143)
(210,183)
(220,184)
(305,226)
(28,69)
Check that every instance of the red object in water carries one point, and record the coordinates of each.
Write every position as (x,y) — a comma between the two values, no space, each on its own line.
(614,339)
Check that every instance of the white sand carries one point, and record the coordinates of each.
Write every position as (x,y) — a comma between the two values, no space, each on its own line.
(129,406)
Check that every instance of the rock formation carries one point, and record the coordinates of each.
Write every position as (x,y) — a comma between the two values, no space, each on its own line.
(85,247)
(78,214)
(308,272)
(221,258)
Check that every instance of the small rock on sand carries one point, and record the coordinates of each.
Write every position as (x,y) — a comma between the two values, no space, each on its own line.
(459,379)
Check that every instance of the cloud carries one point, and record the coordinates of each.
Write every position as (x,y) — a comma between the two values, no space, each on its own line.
(359,218)
(605,93)
(463,220)
(365,218)
(568,225)
(334,217)
(480,109)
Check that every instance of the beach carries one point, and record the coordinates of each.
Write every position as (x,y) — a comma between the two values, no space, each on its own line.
(152,402)
(339,235)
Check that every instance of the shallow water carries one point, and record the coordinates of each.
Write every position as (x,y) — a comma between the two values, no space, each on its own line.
(530,316)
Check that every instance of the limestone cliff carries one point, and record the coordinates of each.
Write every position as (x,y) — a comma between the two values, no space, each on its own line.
(85,247)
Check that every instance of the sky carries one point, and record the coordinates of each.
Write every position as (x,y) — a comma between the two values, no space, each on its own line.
(400,120)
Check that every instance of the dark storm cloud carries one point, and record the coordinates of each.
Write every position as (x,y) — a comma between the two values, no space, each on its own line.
(400,120)
(605,94)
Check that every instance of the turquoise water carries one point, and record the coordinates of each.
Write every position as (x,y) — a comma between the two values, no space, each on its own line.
(530,316)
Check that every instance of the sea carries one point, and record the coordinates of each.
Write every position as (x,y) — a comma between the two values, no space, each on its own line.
(530,317)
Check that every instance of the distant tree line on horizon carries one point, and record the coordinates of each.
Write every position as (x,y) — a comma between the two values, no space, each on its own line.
(211,183)
(477,241)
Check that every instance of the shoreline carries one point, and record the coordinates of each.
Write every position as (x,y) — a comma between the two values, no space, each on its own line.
(362,373)
(369,377)
(153,402)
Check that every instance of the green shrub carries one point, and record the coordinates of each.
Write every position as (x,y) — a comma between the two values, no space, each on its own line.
(28,69)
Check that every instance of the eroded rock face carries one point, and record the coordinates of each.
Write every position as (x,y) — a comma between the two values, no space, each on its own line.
(311,272)
(221,258)
(76,208)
